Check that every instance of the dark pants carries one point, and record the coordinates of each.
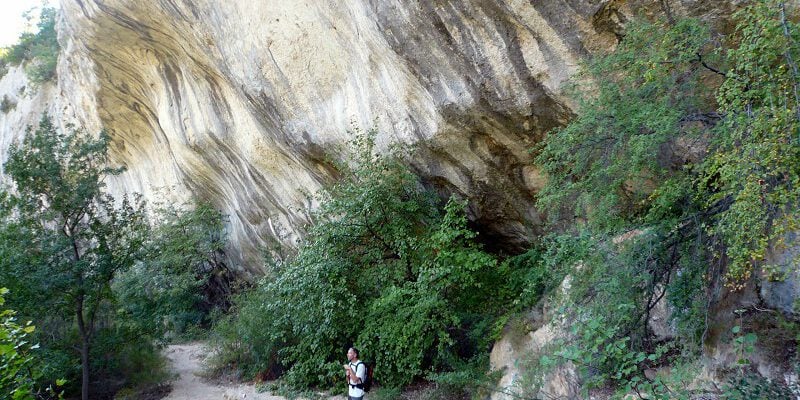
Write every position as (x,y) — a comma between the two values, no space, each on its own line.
(354,398)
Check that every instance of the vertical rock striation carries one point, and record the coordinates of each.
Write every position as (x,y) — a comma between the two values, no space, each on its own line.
(242,103)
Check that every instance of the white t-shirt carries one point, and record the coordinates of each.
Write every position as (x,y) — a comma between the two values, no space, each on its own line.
(361,372)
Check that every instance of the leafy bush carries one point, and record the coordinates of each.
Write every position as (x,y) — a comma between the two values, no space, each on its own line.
(753,161)
(6,105)
(77,236)
(755,387)
(17,376)
(608,165)
(124,356)
(20,371)
(183,279)
(39,50)
(381,268)
(246,341)
(89,269)
(686,142)
(653,146)
(385,394)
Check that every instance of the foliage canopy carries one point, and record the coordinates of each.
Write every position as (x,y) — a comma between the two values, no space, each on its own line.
(39,50)
(686,141)
(92,271)
(382,268)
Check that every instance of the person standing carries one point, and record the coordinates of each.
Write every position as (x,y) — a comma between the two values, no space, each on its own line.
(356,375)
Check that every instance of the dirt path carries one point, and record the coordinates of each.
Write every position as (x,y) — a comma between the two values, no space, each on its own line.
(187,362)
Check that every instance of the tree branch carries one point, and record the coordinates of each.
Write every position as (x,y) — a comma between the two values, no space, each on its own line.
(708,67)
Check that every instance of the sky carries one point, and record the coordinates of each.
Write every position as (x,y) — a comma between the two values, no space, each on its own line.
(12,24)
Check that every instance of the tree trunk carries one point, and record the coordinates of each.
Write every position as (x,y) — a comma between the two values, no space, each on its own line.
(85,367)
(85,338)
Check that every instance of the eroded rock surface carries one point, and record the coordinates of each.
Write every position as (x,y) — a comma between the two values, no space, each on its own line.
(242,103)
(517,355)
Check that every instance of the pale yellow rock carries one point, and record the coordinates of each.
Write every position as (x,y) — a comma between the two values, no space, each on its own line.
(240,102)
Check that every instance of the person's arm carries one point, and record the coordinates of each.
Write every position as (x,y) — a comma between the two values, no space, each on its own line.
(354,376)
(348,372)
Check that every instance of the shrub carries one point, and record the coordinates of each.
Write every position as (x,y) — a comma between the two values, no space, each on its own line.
(755,387)
(39,50)
(381,268)
(686,142)
(17,378)
(184,277)
(7,105)
(90,270)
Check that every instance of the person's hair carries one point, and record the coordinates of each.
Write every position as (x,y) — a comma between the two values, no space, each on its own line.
(355,350)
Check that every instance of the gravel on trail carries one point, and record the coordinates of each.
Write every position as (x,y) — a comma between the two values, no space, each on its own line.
(188,362)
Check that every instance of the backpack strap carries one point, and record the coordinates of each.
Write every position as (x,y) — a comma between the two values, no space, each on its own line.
(358,385)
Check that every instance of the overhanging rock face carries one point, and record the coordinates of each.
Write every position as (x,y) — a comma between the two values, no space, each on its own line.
(243,102)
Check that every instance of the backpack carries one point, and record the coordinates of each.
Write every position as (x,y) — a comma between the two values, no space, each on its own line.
(366,383)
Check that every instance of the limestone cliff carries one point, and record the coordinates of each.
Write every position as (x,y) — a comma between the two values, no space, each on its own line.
(242,102)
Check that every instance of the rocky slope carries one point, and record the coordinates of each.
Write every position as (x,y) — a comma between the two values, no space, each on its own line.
(244,103)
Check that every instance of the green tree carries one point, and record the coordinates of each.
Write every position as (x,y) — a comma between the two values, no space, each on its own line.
(754,157)
(612,165)
(384,268)
(76,237)
(688,140)
(40,50)
(184,277)
(19,369)
(16,361)
(675,131)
